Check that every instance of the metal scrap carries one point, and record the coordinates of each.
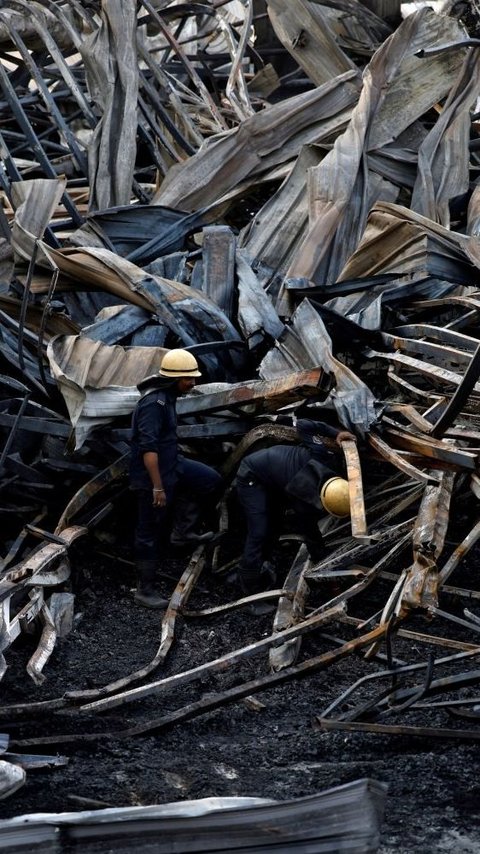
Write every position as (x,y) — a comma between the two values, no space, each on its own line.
(305,221)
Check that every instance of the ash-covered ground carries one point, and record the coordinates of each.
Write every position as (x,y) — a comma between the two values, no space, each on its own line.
(273,750)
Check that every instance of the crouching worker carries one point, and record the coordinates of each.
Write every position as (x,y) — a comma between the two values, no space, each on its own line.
(161,477)
(307,477)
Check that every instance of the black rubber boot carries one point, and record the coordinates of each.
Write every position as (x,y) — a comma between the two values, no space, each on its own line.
(256,581)
(146,593)
(187,517)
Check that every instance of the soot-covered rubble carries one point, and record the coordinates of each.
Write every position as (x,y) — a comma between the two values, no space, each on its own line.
(290,192)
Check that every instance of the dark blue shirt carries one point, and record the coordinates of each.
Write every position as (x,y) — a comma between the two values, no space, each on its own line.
(277,466)
(154,428)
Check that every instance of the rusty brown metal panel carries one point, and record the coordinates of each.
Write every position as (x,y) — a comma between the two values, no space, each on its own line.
(357,504)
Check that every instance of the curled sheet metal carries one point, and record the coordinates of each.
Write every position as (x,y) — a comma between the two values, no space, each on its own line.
(420,589)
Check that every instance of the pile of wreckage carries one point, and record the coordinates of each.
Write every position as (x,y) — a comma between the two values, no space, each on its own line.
(291,192)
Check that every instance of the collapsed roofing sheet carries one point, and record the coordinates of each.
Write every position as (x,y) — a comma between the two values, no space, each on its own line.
(290,193)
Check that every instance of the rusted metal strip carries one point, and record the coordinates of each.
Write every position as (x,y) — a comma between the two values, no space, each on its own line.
(45,646)
(266,596)
(410,390)
(433,517)
(411,414)
(209,703)
(435,640)
(460,397)
(461,550)
(272,432)
(219,665)
(396,460)
(265,395)
(104,478)
(433,448)
(397,729)
(439,333)
(21,577)
(290,611)
(437,354)
(357,503)
(42,558)
(179,596)
(436,375)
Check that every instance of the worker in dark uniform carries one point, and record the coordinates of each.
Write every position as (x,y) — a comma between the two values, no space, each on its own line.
(308,477)
(161,476)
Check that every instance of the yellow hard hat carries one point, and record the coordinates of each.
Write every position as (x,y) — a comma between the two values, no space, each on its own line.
(335,497)
(179,363)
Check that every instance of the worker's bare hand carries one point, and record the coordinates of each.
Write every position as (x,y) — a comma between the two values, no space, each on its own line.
(345,436)
(159,498)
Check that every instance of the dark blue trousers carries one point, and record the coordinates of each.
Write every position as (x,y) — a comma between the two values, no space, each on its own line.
(264,509)
(197,480)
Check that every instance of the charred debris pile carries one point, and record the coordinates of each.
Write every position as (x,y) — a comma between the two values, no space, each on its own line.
(291,192)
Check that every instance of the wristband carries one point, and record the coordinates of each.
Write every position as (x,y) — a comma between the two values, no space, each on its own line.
(158,489)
